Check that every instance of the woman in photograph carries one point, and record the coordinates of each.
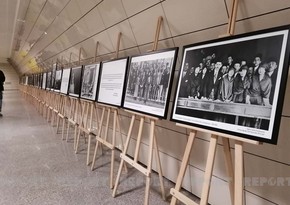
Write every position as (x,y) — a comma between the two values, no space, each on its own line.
(241,86)
(226,88)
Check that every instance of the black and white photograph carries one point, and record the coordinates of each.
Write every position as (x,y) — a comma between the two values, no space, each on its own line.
(235,85)
(57,81)
(30,80)
(40,80)
(149,82)
(90,81)
(65,81)
(48,81)
(35,80)
(75,80)
(43,86)
(112,81)
(26,80)
(53,75)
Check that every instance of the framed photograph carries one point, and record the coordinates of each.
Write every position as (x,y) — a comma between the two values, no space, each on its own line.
(112,81)
(30,80)
(26,80)
(90,81)
(74,88)
(43,86)
(57,81)
(48,81)
(53,75)
(149,82)
(40,80)
(235,85)
(65,81)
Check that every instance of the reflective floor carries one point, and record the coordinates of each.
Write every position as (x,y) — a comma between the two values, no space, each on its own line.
(37,167)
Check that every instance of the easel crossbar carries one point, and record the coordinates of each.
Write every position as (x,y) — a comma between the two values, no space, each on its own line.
(181,197)
(135,165)
(104,142)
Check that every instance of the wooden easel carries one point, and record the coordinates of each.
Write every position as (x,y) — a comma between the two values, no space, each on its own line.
(64,113)
(152,143)
(73,112)
(85,125)
(88,109)
(72,117)
(235,175)
(62,109)
(103,139)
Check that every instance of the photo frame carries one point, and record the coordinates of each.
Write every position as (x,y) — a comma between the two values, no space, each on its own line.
(53,75)
(74,88)
(65,81)
(90,81)
(40,80)
(43,86)
(48,81)
(57,81)
(149,82)
(235,85)
(112,81)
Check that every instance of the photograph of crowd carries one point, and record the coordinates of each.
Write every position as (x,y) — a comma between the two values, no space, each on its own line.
(234,82)
(57,81)
(48,81)
(75,81)
(90,81)
(149,81)
(53,75)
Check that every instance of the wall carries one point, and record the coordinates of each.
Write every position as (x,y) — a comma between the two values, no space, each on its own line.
(185,22)
(12,80)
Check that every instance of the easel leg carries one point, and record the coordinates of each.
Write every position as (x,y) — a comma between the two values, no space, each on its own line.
(229,166)
(97,141)
(78,140)
(113,150)
(124,152)
(89,149)
(208,170)
(183,167)
(239,173)
(90,136)
(121,138)
(149,167)
(159,167)
(63,125)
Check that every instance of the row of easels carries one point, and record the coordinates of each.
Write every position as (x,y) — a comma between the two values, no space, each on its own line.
(134,162)
(79,113)
(235,175)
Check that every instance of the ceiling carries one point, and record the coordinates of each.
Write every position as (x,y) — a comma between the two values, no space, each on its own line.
(8,11)
(38,33)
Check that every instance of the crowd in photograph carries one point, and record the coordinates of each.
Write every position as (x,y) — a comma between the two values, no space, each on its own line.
(148,80)
(238,81)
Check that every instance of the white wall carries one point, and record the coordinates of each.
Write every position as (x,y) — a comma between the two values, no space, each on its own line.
(185,22)
(12,80)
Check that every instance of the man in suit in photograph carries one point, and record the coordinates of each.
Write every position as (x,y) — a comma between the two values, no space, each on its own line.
(2,80)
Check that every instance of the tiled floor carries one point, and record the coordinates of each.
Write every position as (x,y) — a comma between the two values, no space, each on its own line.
(37,167)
